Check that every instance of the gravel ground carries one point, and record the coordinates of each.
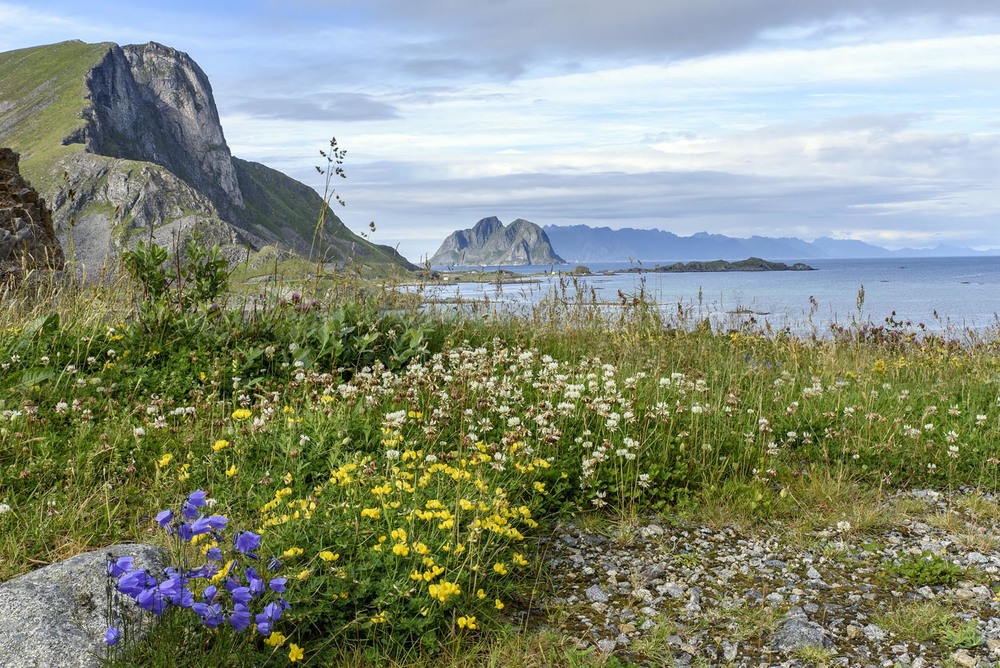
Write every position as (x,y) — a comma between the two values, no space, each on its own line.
(676,593)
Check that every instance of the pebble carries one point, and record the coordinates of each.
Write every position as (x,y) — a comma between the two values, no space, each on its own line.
(631,585)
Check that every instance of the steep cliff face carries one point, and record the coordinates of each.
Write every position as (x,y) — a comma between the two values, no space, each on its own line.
(126,144)
(151,103)
(491,243)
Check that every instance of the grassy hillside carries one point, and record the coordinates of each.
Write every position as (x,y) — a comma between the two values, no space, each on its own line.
(286,210)
(42,91)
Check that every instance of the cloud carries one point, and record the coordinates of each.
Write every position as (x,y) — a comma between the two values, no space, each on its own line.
(312,107)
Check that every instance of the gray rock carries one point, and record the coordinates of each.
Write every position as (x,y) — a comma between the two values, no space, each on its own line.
(57,615)
(607,645)
(797,632)
(596,594)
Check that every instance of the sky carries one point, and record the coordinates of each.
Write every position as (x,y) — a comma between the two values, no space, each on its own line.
(876,120)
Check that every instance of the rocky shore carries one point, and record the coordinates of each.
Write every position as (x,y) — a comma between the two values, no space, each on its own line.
(915,587)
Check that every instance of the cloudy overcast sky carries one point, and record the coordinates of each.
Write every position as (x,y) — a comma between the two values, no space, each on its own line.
(876,120)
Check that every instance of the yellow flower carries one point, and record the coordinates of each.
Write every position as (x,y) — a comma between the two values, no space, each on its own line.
(231,471)
(276,639)
(467,622)
(164,460)
(379,618)
(373,513)
(184,474)
(295,653)
(481,594)
(519,559)
(241,413)
(498,604)
(292,552)
(539,487)
(327,555)
(221,444)
(401,549)
(304,574)
(500,568)
(443,590)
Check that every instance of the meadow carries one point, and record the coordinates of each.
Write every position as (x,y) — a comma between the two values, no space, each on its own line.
(346,477)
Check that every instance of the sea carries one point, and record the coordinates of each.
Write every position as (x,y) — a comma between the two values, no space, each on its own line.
(943,294)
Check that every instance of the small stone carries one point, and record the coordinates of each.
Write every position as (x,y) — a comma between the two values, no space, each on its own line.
(963,658)
(926,592)
(797,632)
(813,574)
(874,633)
(651,531)
(569,540)
(627,628)
(729,650)
(976,558)
(993,644)
(596,594)
(673,589)
(606,645)
(918,662)
(853,632)
(599,607)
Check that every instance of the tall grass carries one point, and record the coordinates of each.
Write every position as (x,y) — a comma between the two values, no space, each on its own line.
(399,460)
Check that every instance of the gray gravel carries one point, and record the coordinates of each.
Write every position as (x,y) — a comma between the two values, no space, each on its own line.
(673,593)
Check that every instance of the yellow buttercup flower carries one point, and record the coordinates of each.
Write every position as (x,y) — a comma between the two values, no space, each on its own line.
(295,653)
(276,639)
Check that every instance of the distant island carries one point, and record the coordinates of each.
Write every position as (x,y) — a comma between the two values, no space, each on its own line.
(491,243)
(749,264)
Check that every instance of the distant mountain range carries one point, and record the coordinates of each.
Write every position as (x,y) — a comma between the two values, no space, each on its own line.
(581,243)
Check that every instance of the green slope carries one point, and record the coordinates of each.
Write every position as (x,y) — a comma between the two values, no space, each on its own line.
(284,210)
(42,92)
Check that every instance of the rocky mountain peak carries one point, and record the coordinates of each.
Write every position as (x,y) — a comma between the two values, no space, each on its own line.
(492,243)
(152,103)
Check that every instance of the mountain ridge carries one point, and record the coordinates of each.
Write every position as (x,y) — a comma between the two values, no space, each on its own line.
(582,243)
(125,143)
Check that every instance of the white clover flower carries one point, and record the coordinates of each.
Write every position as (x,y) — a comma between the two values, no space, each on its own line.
(4,508)
(843,526)
(138,432)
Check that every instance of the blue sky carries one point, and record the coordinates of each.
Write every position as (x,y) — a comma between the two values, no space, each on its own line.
(875,120)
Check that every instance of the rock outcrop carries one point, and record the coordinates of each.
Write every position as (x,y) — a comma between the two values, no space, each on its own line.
(491,243)
(126,144)
(57,615)
(27,237)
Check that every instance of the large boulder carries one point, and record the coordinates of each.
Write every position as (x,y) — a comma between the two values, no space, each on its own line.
(27,237)
(56,616)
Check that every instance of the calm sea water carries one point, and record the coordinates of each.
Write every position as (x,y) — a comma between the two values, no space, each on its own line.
(941,293)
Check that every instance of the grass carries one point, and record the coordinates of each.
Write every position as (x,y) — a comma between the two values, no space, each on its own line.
(382,452)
